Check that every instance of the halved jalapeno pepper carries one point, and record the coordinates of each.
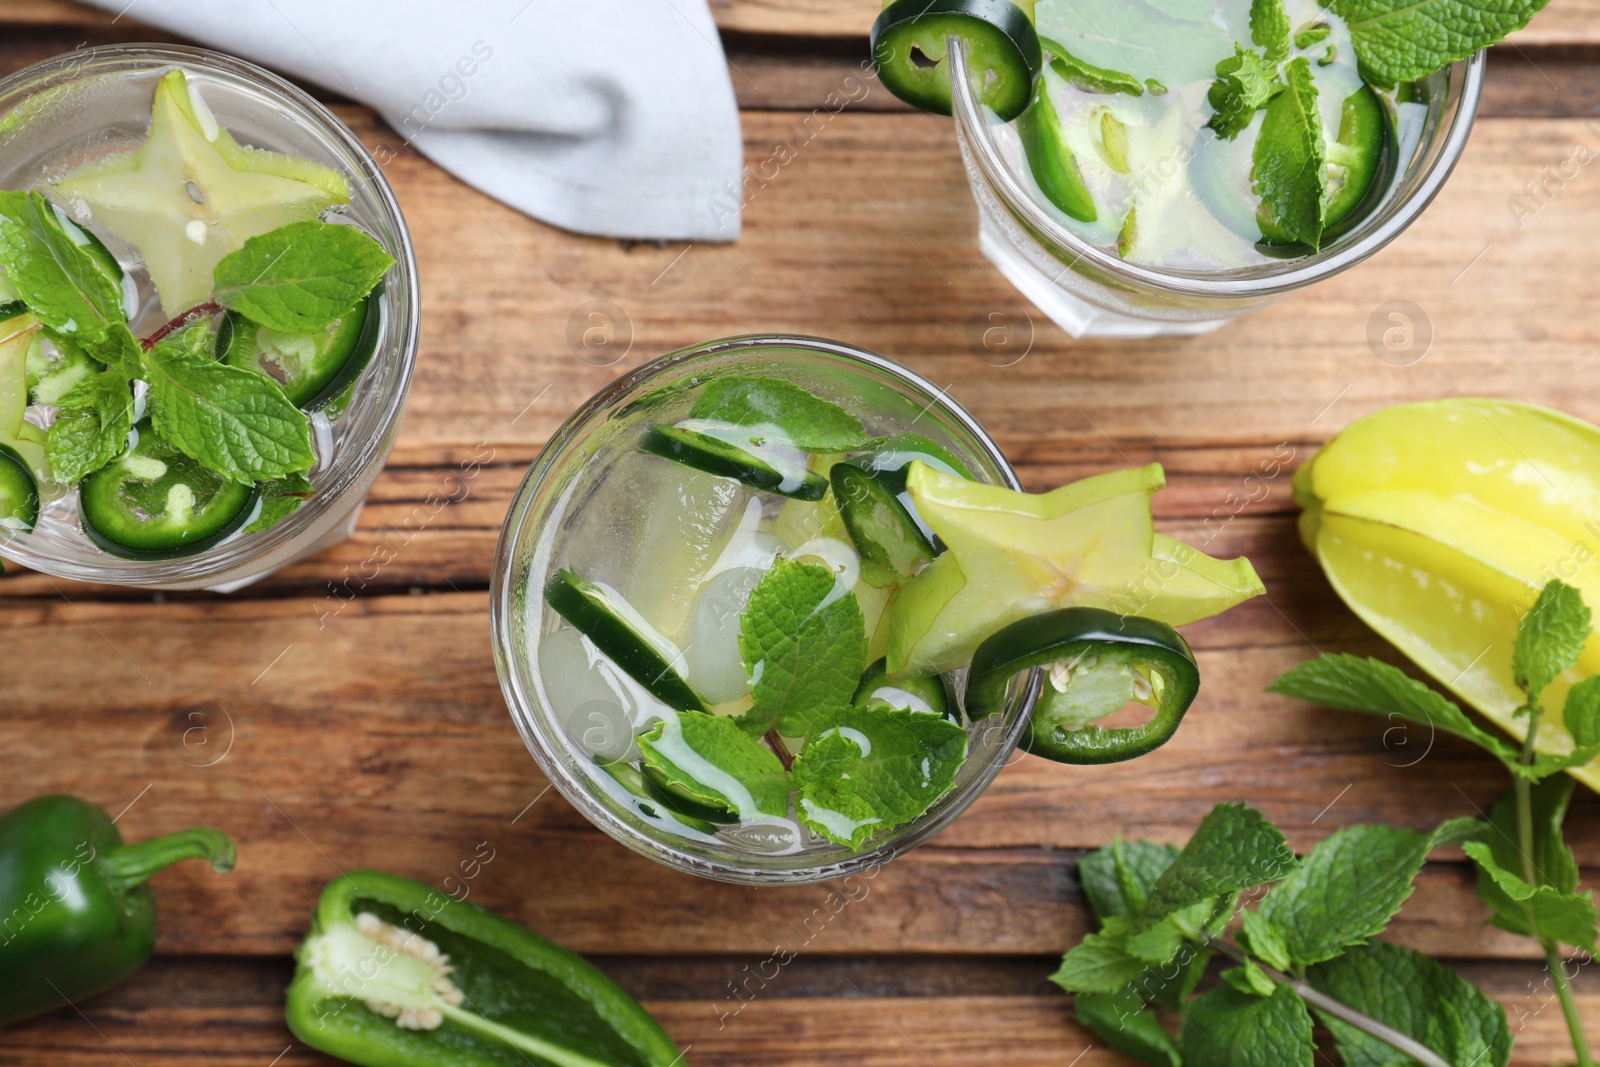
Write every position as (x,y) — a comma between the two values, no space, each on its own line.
(1097,662)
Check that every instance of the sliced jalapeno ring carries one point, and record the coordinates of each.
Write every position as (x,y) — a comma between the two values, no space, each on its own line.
(1097,661)
(1003,52)
(922,693)
(891,545)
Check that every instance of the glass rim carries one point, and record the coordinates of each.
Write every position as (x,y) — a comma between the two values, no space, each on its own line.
(1265,280)
(522,705)
(351,462)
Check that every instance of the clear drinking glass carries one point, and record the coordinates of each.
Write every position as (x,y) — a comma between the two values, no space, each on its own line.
(1091,292)
(86,104)
(555,505)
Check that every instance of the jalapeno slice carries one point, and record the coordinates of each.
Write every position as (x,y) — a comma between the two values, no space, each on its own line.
(923,693)
(1097,661)
(1051,162)
(1003,53)
(891,545)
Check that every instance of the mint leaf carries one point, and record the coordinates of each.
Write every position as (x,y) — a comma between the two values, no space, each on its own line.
(804,648)
(1249,979)
(1550,638)
(1244,85)
(117,348)
(1269,28)
(1552,861)
(1099,963)
(91,429)
(1227,1028)
(1116,881)
(1409,991)
(874,770)
(1311,35)
(302,276)
(1233,848)
(59,281)
(1350,885)
(1119,889)
(780,413)
(1582,720)
(1537,910)
(1291,172)
(234,422)
(1264,939)
(1353,683)
(714,762)
(1087,76)
(1159,943)
(1403,40)
(1123,1022)
(280,498)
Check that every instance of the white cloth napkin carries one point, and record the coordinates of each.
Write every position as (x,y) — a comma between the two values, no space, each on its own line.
(612,117)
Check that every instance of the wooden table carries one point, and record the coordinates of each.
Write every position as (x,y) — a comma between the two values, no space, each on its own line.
(343,714)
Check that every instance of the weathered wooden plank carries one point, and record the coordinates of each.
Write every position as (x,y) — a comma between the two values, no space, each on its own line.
(375,735)
(228,1013)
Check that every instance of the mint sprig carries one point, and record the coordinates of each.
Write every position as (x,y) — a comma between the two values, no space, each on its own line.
(1314,911)
(302,276)
(53,274)
(1290,165)
(804,646)
(91,428)
(1527,875)
(780,413)
(233,422)
(1403,40)
(871,771)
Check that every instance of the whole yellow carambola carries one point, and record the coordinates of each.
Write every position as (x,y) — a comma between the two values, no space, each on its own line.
(1438,523)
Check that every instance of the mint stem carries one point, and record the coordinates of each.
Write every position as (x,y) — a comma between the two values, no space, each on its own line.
(1326,1004)
(1523,790)
(775,740)
(182,320)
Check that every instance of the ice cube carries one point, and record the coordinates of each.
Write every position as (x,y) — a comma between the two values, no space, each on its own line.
(711,642)
(652,531)
(599,704)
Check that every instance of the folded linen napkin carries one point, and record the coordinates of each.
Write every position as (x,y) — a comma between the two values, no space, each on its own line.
(611,117)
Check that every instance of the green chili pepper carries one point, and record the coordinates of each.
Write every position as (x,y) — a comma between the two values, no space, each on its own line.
(1054,166)
(397,974)
(1097,662)
(75,914)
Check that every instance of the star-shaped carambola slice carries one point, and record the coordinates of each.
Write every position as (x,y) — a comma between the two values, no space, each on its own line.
(191,194)
(1011,555)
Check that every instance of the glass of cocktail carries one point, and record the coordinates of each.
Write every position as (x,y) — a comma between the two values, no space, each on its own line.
(1145,168)
(208,319)
(774,609)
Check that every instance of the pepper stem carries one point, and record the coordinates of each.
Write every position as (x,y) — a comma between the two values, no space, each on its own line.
(127,866)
